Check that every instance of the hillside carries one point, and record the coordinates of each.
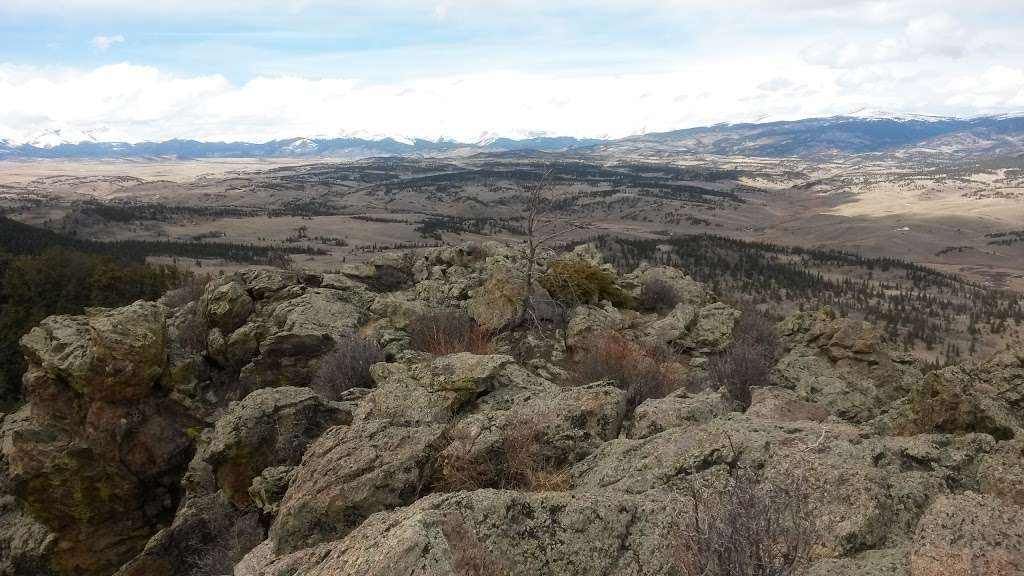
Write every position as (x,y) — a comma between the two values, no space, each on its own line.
(427,413)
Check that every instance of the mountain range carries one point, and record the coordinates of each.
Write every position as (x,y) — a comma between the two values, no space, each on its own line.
(864,132)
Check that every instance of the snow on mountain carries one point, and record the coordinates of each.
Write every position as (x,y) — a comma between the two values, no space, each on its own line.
(302,146)
(53,137)
(874,114)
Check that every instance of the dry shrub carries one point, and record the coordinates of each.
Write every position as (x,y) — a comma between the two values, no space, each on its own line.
(750,527)
(657,295)
(574,281)
(519,463)
(469,557)
(447,332)
(189,289)
(192,331)
(347,366)
(748,361)
(642,373)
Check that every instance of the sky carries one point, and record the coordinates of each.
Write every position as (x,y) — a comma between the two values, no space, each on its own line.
(468,70)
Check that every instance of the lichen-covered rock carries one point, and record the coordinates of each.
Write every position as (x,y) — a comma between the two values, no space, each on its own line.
(688,291)
(350,473)
(673,327)
(76,484)
(208,536)
(677,410)
(499,301)
(318,312)
(969,535)
(589,324)
(285,358)
(270,427)
(887,562)
(962,399)
(712,329)
(25,545)
(107,355)
(1001,472)
(511,533)
(268,489)
(840,364)
(431,391)
(782,405)
(562,425)
(384,272)
(226,307)
(858,503)
(398,309)
(96,454)
(217,523)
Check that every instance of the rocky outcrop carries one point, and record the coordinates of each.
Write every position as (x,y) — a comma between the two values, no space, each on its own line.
(973,397)
(589,324)
(25,544)
(782,405)
(350,473)
(106,356)
(218,522)
(96,454)
(499,301)
(677,410)
(969,535)
(432,390)
(383,272)
(705,329)
(501,532)
(166,442)
(864,495)
(386,458)
(562,426)
(688,292)
(841,364)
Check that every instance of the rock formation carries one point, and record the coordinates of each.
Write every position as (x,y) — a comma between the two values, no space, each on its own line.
(187,441)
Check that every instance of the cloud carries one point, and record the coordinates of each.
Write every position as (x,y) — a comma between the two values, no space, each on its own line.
(104,42)
(134,103)
(776,85)
(937,35)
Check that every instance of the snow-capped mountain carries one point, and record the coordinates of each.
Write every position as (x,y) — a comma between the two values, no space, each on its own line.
(875,114)
(302,146)
(53,137)
(861,132)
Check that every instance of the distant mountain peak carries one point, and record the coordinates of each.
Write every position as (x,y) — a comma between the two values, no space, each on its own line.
(53,137)
(876,114)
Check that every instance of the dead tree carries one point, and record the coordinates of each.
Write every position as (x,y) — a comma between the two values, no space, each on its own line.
(541,228)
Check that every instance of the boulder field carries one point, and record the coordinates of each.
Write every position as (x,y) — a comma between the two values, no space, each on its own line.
(190,439)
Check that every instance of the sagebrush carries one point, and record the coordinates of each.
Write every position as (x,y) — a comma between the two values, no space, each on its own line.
(346,367)
(447,332)
(749,359)
(751,526)
(517,463)
(641,372)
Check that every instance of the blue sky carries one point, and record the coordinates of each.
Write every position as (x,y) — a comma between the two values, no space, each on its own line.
(471,69)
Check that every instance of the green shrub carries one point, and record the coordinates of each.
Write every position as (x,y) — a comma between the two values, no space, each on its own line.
(579,282)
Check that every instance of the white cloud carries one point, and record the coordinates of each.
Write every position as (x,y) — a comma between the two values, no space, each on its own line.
(936,35)
(104,42)
(133,103)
